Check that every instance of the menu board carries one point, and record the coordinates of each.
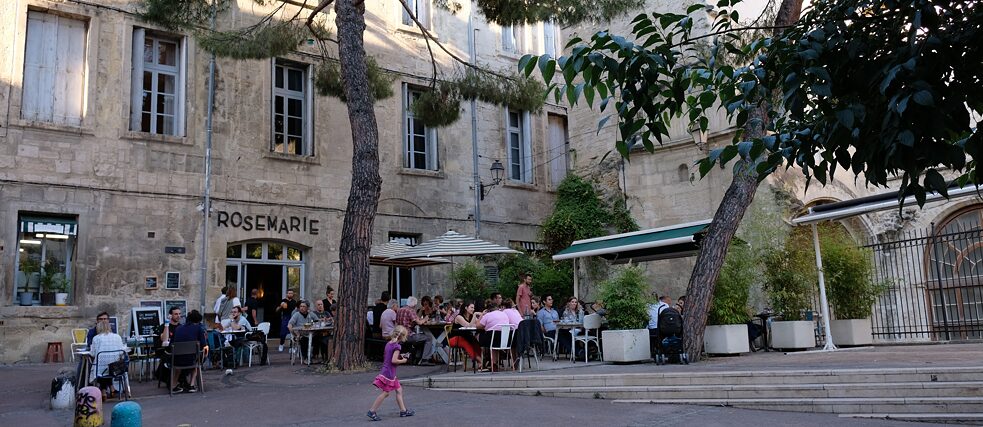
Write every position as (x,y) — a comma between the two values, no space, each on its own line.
(172,280)
(145,319)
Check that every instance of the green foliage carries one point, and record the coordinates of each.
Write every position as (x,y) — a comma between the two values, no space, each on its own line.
(54,282)
(507,12)
(729,305)
(881,88)
(179,14)
(438,107)
(469,282)
(30,265)
(548,276)
(848,270)
(789,277)
(580,213)
(328,82)
(625,299)
(265,41)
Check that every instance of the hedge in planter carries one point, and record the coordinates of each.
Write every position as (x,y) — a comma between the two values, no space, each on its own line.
(729,305)
(627,340)
(850,287)
(788,280)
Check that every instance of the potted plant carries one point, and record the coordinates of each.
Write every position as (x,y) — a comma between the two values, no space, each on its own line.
(59,285)
(627,339)
(788,281)
(726,331)
(29,280)
(48,288)
(851,289)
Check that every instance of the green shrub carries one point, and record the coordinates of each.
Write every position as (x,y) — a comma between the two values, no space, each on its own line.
(729,305)
(789,278)
(469,282)
(850,286)
(548,277)
(625,300)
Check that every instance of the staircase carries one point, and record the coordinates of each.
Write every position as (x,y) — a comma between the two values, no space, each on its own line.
(942,394)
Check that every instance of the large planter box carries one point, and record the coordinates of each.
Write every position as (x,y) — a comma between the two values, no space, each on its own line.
(726,339)
(630,345)
(795,334)
(852,332)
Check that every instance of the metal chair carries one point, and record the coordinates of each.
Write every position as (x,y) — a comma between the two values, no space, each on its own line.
(186,348)
(101,365)
(591,322)
(252,345)
(78,340)
(502,342)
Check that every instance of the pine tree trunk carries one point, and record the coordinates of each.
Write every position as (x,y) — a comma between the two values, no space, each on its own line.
(740,194)
(363,198)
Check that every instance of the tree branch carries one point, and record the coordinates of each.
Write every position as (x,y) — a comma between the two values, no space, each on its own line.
(310,18)
(433,60)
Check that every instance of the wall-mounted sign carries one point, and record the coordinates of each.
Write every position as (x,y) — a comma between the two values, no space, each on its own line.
(172,280)
(150,282)
(174,249)
(278,224)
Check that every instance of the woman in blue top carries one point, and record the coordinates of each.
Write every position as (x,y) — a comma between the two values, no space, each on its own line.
(386,380)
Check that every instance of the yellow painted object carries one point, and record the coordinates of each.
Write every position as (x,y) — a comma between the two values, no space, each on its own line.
(88,407)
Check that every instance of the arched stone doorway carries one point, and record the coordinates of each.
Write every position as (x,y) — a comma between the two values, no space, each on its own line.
(269,267)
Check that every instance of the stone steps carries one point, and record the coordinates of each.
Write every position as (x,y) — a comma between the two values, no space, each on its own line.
(916,394)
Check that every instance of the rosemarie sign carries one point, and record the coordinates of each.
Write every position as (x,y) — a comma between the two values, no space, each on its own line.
(275,223)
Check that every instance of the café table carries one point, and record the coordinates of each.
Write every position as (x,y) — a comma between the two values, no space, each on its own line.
(230,335)
(311,332)
(439,334)
(568,326)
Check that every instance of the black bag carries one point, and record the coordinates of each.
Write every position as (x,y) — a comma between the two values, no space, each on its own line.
(116,369)
(228,357)
(670,322)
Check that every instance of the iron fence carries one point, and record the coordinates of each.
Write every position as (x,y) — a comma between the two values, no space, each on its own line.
(935,285)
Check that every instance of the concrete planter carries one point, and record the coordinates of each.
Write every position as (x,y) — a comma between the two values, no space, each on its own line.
(726,339)
(795,334)
(849,332)
(631,345)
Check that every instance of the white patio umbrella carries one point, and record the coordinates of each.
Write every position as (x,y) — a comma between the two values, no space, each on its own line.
(452,244)
(381,254)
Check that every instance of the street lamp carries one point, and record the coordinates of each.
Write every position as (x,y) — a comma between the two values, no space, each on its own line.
(496,170)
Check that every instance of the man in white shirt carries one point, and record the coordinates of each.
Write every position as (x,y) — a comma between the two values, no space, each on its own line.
(653,326)
(236,323)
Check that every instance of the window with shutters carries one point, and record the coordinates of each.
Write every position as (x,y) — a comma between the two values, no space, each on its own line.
(551,37)
(518,145)
(292,109)
(158,70)
(512,38)
(420,8)
(54,69)
(421,141)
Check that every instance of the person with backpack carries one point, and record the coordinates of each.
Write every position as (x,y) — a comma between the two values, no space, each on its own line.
(664,321)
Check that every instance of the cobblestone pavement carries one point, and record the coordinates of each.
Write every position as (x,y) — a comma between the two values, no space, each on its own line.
(282,394)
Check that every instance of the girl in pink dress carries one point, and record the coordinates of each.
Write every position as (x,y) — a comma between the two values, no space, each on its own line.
(386,380)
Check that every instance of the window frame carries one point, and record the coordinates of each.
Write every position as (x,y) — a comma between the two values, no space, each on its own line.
(307,107)
(524,147)
(422,14)
(512,37)
(28,223)
(33,99)
(432,157)
(140,67)
(551,39)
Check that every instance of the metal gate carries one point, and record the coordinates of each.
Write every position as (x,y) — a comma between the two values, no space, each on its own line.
(935,285)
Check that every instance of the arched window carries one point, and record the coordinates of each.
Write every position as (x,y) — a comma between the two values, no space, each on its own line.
(954,258)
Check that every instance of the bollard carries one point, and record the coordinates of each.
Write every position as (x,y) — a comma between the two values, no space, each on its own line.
(88,407)
(63,389)
(126,414)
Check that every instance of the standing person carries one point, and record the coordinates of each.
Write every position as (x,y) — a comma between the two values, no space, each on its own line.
(286,310)
(329,303)
(654,310)
(523,296)
(218,303)
(225,308)
(387,380)
(253,307)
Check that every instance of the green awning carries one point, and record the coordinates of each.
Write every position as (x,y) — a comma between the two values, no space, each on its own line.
(48,225)
(675,241)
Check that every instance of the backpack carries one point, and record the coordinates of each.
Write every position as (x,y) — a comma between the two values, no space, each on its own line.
(670,322)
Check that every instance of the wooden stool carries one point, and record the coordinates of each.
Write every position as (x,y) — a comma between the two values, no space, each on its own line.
(54,353)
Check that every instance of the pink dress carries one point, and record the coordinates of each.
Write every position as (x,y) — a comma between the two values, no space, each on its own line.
(386,380)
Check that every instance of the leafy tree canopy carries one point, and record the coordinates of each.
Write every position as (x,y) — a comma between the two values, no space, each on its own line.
(880,88)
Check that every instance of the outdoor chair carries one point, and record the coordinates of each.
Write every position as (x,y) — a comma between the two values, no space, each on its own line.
(591,322)
(78,341)
(528,339)
(121,378)
(457,354)
(186,348)
(501,341)
(253,345)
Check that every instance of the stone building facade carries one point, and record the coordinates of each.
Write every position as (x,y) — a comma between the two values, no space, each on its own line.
(102,145)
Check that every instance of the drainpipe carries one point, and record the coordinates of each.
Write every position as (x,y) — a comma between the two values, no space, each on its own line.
(472,50)
(207,203)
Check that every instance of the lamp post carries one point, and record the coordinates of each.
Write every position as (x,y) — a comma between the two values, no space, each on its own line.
(496,170)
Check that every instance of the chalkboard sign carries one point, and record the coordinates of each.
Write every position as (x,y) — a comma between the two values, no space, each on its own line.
(150,282)
(145,320)
(172,280)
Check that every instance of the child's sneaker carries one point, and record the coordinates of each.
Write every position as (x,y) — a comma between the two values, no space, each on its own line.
(406,413)
(374,416)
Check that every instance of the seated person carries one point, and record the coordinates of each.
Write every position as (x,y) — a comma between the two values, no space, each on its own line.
(237,323)
(508,307)
(421,346)
(302,316)
(104,316)
(466,340)
(163,335)
(387,319)
(321,344)
(571,314)
(491,325)
(192,331)
(548,317)
(111,347)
